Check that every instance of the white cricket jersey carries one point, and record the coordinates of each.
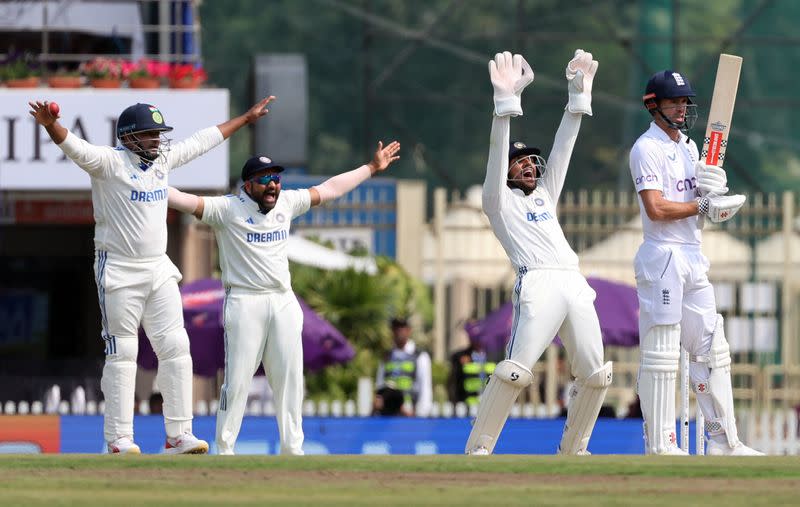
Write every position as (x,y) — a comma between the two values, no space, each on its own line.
(659,163)
(527,226)
(253,246)
(130,198)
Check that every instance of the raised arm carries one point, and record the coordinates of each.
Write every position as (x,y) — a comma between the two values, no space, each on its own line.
(40,111)
(185,203)
(340,184)
(204,140)
(251,116)
(95,160)
(580,73)
(510,75)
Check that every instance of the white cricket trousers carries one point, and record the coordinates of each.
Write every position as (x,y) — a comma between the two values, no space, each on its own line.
(262,328)
(673,288)
(555,301)
(134,292)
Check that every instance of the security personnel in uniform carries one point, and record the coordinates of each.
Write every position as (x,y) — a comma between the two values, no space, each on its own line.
(408,370)
(469,372)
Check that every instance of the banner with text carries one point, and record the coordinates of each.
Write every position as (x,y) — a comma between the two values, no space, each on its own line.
(30,161)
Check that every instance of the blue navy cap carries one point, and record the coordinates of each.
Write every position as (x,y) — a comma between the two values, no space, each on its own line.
(140,118)
(258,163)
(667,84)
(518,148)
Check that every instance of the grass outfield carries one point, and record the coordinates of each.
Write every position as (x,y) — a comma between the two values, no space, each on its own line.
(397,480)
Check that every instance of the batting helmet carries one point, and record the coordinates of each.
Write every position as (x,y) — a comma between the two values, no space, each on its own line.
(669,84)
(666,84)
(139,118)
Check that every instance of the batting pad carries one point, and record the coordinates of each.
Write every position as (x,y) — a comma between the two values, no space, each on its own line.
(658,369)
(505,384)
(719,386)
(586,399)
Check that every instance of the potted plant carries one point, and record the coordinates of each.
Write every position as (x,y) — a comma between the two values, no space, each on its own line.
(145,73)
(64,78)
(103,72)
(186,75)
(20,71)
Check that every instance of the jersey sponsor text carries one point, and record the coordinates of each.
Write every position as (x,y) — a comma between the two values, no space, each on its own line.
(267,237)
(158,194)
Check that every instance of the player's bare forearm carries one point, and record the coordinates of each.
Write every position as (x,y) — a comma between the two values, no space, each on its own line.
(251,116)
(44,117)
(338,185)
(185,202)
(659,209)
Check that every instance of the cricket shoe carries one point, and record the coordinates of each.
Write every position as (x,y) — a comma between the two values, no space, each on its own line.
(673,450)
(185,444)
(478,451)
(723,449)
(123,445)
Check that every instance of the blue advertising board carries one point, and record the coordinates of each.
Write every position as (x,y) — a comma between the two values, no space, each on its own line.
(369,435)
(372,204)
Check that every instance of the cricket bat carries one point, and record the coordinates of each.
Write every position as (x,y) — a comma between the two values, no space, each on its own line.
(718,128)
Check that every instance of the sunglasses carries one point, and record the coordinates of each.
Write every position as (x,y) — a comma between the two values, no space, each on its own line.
(264,180)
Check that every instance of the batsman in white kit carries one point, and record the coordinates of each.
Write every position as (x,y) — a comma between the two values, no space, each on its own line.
(262,318)
(551,296)
(676,299)
(137,284)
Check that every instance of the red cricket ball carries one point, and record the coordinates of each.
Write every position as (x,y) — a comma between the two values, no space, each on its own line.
(54,109)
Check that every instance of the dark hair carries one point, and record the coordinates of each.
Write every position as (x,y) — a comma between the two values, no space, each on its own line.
(399,322)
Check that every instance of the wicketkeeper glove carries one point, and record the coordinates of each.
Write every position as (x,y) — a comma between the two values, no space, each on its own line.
(580,75)
(711,179)
(720,208)
(510,75)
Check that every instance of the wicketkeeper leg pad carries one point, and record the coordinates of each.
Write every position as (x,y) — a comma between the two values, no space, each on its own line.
(118,384)
(507,381)
(658,369)
(175,380)
(586,398)
(719,386)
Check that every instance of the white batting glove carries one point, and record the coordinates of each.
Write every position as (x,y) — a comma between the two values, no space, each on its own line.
(711,179)
(720,208)
(510,75)
(580,75)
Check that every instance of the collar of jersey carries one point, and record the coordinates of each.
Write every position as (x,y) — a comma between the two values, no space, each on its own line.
(659,133)
(249,203)
(137,160)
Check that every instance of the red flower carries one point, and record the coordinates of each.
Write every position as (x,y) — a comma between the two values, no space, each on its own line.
(187,72)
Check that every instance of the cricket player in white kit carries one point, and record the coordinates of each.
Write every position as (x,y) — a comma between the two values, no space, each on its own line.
(263,320)
(136,281)
(551,296)
(676,300)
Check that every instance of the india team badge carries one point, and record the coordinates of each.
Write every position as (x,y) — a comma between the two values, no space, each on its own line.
(156,115)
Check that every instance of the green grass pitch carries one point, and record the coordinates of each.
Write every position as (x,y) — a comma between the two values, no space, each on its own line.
(397,480)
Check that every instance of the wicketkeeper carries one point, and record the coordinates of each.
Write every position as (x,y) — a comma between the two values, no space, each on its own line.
(551,296)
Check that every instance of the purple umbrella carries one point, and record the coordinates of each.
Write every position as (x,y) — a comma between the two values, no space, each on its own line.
(323,344)
(617,309)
